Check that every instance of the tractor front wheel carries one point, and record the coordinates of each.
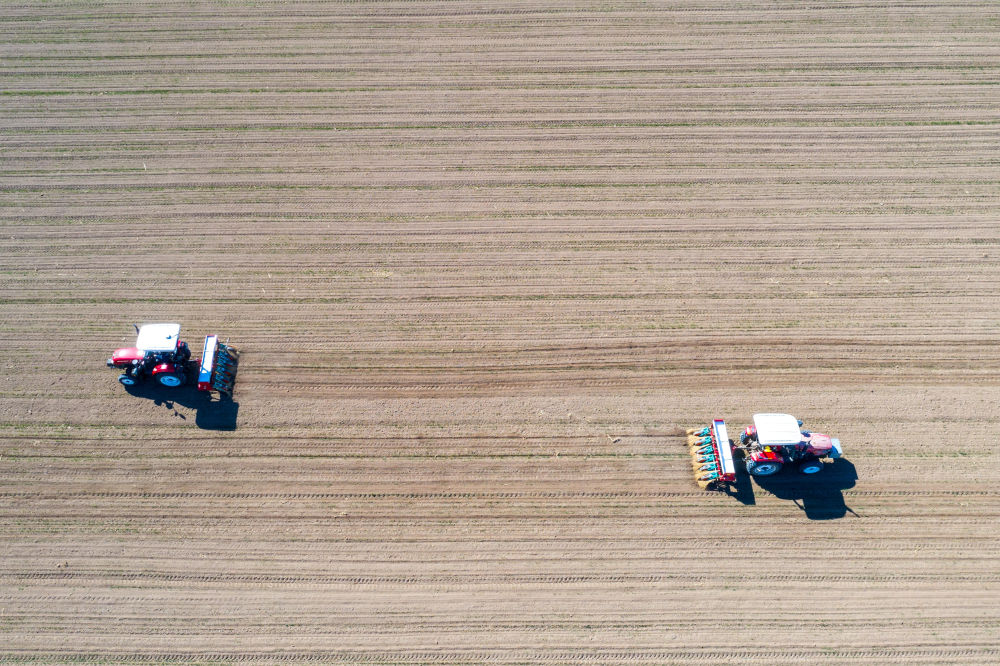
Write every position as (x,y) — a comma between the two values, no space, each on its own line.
(170,379)
(811,467)
(127,380)
(763,467)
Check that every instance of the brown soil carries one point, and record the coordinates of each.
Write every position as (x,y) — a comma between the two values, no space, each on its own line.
(485,263)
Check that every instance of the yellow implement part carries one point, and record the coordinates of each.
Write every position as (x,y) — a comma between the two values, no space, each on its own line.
(702,456)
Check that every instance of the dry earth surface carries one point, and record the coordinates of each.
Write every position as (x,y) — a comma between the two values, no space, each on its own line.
(485,262)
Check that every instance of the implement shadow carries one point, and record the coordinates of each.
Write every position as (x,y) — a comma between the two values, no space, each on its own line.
(744,486)
(821,495)
(210,413)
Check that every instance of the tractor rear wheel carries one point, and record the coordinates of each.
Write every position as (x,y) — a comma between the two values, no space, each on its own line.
(763,467)
(170,379)
(127,380)
(811,467)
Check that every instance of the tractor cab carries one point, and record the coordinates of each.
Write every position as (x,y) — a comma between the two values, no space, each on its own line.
(777,430)
(778,434)
(158,338)
(163,343)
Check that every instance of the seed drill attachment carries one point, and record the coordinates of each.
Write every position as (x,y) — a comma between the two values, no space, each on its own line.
(712,455)
(219,363)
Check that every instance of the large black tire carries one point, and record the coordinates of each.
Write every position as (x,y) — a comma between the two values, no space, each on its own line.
(811,467)
(127,380)
(170,379)
(763,468)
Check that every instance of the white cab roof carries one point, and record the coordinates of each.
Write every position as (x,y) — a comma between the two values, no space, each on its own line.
(777,429)
(158,337)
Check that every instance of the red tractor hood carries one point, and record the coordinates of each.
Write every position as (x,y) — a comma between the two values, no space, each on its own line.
(126,355)
(819,444)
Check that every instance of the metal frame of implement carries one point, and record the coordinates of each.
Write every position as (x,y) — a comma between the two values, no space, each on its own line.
(712,455)
(219,363)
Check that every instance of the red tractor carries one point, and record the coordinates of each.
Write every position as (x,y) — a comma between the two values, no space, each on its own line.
(161,356)
(773,441)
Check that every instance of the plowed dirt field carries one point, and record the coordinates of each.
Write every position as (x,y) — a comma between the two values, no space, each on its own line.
(485,262)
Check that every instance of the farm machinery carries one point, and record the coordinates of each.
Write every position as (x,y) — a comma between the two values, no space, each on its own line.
(773,442)
(159,355)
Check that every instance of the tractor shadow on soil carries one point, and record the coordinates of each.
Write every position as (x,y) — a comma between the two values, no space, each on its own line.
(820,496)
(210,414)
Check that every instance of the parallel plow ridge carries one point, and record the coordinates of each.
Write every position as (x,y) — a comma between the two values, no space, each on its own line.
(485,263)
